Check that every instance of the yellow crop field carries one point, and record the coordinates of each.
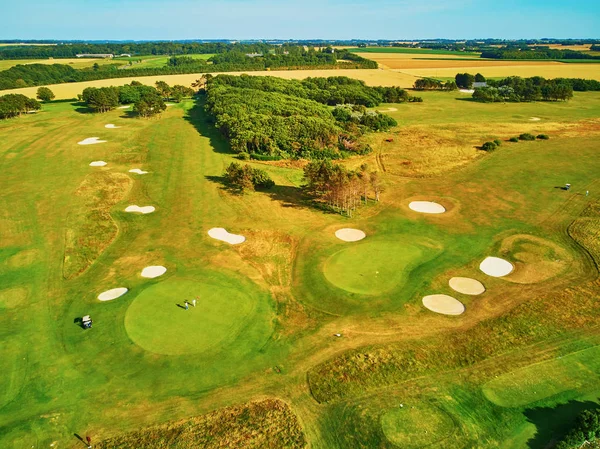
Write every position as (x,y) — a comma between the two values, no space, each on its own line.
(77,63)
(372,77)
(547,70)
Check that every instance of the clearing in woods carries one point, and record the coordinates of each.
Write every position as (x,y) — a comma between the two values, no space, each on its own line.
(258,351)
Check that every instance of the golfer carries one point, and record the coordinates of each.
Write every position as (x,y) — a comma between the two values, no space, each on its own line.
(194,302)
(187,306)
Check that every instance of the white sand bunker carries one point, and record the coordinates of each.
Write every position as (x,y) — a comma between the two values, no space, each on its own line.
(223,235)
(138,171)
(109,295)
(91,141)
(535,119)
(466,286)
(387,110)
(467,91)
(444,304)
(97,164)
(427,207)
(124,107)
(140,210)
(496,267)
(153,271)
(111,126)
(350,235)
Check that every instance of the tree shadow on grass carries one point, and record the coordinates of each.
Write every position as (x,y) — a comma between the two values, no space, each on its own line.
(82,107)
(553,423)
(200,120)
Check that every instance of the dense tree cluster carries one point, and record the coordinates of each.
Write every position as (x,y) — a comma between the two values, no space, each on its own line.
(280,118)
(247,178)
(466,80)
(339,188)
(232,60)
(13,105)
(538,52)
(516,89)
(585,430)
(433,84)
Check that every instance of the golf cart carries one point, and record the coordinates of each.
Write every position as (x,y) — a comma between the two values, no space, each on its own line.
(86,322)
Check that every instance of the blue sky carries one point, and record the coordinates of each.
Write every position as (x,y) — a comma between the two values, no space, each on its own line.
(293,19)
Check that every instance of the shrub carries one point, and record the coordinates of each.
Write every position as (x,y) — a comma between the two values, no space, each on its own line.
(513,139)
(543,136)
(488,146)
(243,156)
(498,142)
(45,94)
(526,136)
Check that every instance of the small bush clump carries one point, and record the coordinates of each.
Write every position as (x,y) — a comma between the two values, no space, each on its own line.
(513,139)
(498,142)
(543,136)
(526,136)
(489,146)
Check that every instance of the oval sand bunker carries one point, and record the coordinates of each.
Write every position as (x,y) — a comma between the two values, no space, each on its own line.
(97,164)
(139,171)
(153,271)
(91,141)
(496,267)
(427,207)
(350,235)
(140,210)
(223,235)
(444,304)
(109,295)
(111,126)
(466,286)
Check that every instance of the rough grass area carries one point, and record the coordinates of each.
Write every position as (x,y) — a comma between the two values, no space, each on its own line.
(265,424)
(586,230)
(91,227)
(580,370)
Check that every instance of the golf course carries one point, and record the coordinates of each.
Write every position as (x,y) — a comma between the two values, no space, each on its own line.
(459,309)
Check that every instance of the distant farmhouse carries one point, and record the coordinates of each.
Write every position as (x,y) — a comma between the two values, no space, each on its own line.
(96,55)
(253,55)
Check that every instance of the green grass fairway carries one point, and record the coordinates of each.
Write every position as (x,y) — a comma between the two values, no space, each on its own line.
(373,267)
(579,371)
(157,323)
(416,425)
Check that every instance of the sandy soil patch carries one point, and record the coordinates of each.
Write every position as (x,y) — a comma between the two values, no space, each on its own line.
(139,171)
(466,91)
(535,119)
(114,293)
(443,304)
(98,164)
(427,207)
(466,286)
(223,235)
(153,271)
(496,267)
(124,107)
(91,141)
(140,210)
(350,235)
(111,126)
(387,110)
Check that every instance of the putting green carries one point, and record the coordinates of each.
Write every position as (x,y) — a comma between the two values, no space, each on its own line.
(157,321)
(374,267)
(416,426)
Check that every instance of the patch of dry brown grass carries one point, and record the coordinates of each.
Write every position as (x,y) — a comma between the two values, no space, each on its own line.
(92,227)
(269,423)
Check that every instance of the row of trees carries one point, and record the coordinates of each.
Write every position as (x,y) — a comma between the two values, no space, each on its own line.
(147,100)
(585,430)
(433,84)
(13,105)
(42,74)
(245,177)
(534,53)
(516,89)
(277,118)
(339,188)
